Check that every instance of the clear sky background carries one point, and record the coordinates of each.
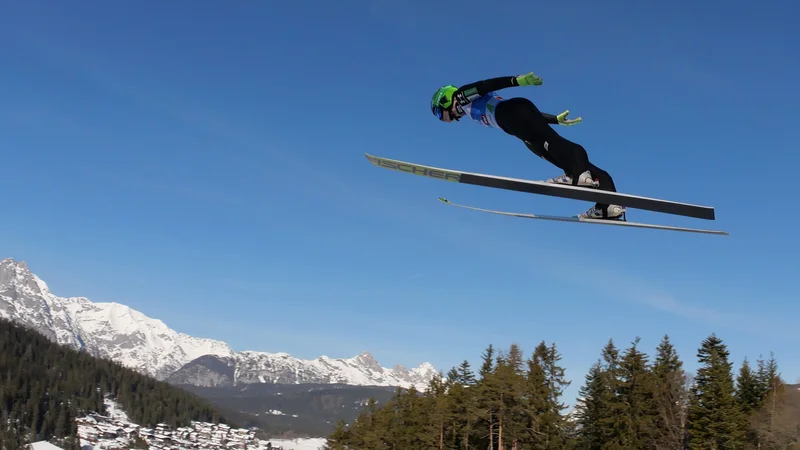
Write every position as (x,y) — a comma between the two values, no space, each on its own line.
(203,162)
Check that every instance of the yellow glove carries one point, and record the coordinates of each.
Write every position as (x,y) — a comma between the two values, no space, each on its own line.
(562,119)
(529,79)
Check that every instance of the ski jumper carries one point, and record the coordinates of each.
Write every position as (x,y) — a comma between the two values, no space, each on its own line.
(520,118)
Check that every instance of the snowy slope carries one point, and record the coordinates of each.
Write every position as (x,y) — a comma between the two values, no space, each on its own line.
(362,369)
(299,444)
(117,332)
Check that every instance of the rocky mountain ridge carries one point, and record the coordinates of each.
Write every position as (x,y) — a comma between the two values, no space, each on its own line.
(118,332)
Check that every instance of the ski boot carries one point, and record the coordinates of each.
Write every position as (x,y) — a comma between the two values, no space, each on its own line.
(584,180)
(614,212)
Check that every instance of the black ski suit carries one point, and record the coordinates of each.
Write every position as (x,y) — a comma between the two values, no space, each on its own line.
(519,117)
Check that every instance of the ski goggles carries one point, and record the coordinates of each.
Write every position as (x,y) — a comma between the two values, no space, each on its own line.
(438,112)
(438,109)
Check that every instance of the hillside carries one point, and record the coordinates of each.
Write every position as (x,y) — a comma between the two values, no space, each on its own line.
(295,410)
(46,386)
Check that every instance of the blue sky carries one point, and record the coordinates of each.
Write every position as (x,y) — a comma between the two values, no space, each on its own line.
(203,163)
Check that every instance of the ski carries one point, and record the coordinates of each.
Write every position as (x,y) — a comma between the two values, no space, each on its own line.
(576,219)
(544,188)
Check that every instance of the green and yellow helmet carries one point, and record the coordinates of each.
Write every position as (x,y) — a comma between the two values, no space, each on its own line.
(442,100)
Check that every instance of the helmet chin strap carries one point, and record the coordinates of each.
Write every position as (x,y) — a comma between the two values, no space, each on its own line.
(459,112)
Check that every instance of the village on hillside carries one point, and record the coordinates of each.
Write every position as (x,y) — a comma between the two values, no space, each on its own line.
(102,432)
(115,431)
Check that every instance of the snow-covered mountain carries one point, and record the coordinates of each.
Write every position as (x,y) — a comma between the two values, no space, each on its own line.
(108,330)
(363,369)
(281,368)
(115,331)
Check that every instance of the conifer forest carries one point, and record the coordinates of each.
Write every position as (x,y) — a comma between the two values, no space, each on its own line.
(46,386)
(628,400)
(511,401)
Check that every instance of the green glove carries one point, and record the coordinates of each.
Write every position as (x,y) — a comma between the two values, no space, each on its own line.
(562,119)
(529,79)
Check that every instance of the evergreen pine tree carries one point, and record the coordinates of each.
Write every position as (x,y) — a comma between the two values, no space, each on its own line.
(748,391)
(635,395)
(715,418)
(452,375)
(371,435)
(593,408)
(340,438)
(463,404)
(766,374)
(536,394)
(545,385)
(670,397)
(749,396)
(439,417)
(465,375)
(770,394)
(508,399)
(487,398)
(612,421)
